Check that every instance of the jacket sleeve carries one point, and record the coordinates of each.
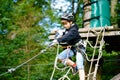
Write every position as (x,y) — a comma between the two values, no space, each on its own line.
(69,36)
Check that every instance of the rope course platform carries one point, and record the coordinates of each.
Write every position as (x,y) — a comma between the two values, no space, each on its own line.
(109,31)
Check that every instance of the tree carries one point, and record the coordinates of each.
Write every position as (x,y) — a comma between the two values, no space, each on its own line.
(21,35)
(69,6)
(24,28)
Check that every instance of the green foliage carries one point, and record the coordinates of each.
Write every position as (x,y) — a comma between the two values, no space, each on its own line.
(111,65)
(6,10)
(116,18)
(118,13)
(21,38)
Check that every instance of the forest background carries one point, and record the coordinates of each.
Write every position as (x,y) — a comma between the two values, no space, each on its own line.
(24,29)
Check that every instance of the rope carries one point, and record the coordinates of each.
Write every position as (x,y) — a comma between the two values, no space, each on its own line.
(13,69)
(99,56)
(66,75)
(62,69)
(102,31)
(29,65)
(4,73)
(94,51)
(93,54)
(55,64)
(90,60)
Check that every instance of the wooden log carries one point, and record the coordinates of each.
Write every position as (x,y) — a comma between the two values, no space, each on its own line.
(84,30)
(84,35)
(86,1)
(117,77)
(109,31)
(87,14)
(113,7)
(108,28)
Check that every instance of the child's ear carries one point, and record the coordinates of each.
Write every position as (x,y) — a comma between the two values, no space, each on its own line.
(71,22)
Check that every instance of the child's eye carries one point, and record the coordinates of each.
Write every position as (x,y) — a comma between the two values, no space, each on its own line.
(64,23)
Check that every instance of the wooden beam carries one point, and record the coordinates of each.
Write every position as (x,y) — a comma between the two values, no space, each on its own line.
(108,28)
(117,77)
(109,31)
(84,35)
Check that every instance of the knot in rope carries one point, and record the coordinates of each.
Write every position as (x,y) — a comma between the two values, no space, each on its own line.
(42,51)
(11,70)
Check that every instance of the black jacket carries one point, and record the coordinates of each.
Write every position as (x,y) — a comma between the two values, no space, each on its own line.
(71,35)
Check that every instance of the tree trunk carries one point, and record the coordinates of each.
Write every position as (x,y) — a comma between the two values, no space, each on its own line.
(113,6)
(87,14)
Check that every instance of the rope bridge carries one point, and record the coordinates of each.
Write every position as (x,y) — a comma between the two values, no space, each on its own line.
(14,69)
(100,38)
(62,69)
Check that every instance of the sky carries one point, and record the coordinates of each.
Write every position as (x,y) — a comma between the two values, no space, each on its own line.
(57,5)
(60,4)
(63,5)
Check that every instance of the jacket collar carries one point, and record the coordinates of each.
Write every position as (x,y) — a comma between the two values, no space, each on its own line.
(70,27)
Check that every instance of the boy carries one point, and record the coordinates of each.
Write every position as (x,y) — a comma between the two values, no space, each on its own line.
(72,38)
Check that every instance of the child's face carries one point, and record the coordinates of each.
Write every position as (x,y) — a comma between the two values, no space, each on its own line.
(66,24)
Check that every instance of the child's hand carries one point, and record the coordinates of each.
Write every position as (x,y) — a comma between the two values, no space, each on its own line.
(54,42)
(69,46)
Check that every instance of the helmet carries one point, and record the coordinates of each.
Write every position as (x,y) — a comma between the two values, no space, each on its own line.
(68,17)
